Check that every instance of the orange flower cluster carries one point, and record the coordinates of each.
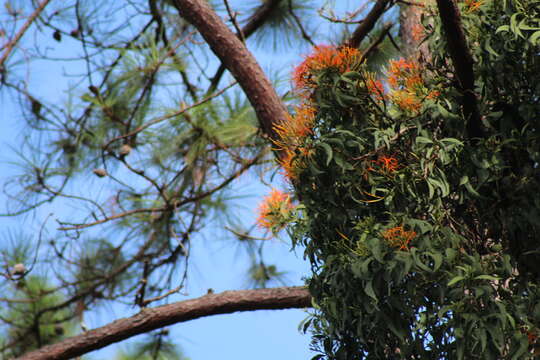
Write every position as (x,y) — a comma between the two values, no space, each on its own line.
(408,89)
(384,164)
(291,139)
(403,73)
(298,126)
(293,161)
(375,87)
(388,163)
(294,130)
(406,100)
(274,210)
(342,59)
(398,237)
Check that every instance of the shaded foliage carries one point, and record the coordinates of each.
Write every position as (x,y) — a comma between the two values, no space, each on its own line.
(424,241)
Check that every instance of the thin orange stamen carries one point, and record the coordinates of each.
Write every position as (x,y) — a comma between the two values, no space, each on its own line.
(398,237)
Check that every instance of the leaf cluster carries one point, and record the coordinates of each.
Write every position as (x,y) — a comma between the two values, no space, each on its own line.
(463,280)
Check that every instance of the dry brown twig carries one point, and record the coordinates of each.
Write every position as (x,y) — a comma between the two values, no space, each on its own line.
(11,45)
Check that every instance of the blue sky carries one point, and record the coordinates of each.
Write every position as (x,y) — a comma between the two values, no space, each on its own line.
(262,334)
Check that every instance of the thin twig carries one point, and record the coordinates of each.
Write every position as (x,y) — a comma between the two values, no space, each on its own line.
(232,16)
(255,21)
(376,43)
(168,116)
(160,297)
(305,35)
(368,23)
(11,45)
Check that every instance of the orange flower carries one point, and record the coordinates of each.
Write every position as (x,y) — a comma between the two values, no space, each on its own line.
(294,161)
(291,140)
(274,210)
(287,162)
(384,165)
(408,86)
(323,57)
(473,5)
(531,337)
(398,237)
(388,163)
(375,87)
(298,126)
(433,94)
(403,73)
(406,100)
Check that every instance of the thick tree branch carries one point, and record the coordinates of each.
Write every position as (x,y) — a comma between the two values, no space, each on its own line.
(239,61)
(368,23)
(154,318)
(463,63)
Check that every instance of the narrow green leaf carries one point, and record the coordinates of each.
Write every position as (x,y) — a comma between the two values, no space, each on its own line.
(455,280)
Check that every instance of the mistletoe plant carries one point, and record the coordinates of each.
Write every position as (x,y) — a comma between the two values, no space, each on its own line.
(420,210)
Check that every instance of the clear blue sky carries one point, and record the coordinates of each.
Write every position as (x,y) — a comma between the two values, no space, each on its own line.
(262,334)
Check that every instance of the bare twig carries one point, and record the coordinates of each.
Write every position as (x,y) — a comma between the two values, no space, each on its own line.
(232,16)
(109,218)
(376,43)
(368,23)
(255,22)
(169,116)
(11,45)
(346,20)
(303,31)
(145,302)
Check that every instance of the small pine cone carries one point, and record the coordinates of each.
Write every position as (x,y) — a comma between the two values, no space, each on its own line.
(18,269)
(100,172)
(124,150)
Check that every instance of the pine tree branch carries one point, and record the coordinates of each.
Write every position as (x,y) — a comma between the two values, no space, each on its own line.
(239,61)
(463,64)
(368,23)
(154,318)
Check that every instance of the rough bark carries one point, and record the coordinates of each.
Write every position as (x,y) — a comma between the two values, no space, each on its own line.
(409,17)
(463,64)
(239,61)
(154,318)
(458,49)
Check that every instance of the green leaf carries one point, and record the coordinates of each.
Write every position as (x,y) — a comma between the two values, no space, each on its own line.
(423,140)
(490,49)
(471,190)
(455,280)
(487,277)
(437,260)
(368,289)
(503,28)
(535,37)
(329,152)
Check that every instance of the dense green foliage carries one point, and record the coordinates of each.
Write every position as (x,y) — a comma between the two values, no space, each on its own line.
(424,242)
